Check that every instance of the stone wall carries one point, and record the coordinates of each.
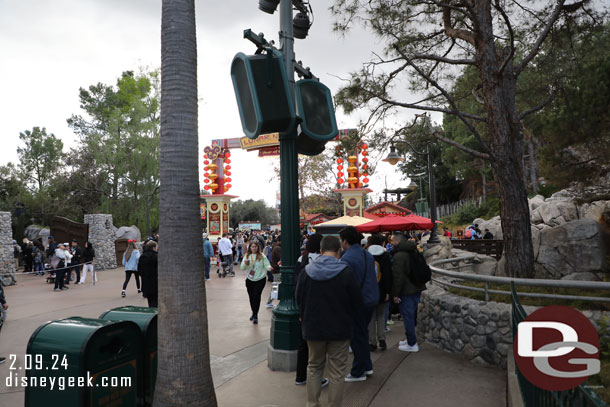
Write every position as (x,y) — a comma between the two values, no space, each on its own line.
(7,262)
(101,235)
(480,331)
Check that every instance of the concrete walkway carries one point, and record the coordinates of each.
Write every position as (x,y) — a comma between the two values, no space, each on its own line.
(239,350)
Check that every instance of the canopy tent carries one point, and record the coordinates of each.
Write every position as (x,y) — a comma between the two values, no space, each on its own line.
(345,220)
(392,223)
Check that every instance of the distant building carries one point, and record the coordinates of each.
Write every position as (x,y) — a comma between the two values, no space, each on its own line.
(386,208)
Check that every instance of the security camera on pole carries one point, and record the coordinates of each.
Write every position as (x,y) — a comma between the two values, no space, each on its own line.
(302,113)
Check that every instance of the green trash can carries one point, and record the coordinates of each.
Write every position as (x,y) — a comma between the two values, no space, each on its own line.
(146,319)
(105,354)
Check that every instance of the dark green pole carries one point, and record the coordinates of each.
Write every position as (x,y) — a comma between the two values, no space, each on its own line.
(285,333)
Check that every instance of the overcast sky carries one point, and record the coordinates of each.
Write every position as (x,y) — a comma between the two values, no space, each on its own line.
(49,49)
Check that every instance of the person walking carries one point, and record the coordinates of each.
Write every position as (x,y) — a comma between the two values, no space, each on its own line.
(87,260)
(208,253)
(239,248)
(147,267)
(363,266)
(383,268)
(256,266)
(130,262)
(328,296)
(225,249)
(405,293)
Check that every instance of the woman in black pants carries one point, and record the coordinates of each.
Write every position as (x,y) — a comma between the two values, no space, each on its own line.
(130,261)
(256,266)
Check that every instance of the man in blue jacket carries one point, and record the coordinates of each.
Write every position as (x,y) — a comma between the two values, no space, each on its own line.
(362,264)
(328,296)
(208,253)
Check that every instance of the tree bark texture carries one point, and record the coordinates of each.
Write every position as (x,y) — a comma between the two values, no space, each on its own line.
(506,145)
(184,376)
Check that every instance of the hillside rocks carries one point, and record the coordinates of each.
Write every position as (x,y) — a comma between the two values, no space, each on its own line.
(128,232)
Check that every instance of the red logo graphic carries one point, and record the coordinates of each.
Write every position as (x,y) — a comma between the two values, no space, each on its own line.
(556,348)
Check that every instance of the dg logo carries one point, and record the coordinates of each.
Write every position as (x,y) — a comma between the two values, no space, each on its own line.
(556,348)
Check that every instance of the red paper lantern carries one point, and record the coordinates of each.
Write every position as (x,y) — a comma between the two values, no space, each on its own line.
(206,187)
(206,162)
(340,181)
(365,167)
(339,174)
(227,179)
(206,175)
(339,160)
(339,167)
(206,180)
(227,154)
(364,146)
(227,167)
(205,156)
(228,161)
(365,180)
(365,160)
(228,173)
(227,186)
(206,168)
(365,153)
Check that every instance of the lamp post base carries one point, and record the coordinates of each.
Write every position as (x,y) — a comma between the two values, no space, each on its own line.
(281,360)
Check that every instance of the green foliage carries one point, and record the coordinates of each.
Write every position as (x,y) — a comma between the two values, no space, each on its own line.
(467,213)
(40,158)
(251,210)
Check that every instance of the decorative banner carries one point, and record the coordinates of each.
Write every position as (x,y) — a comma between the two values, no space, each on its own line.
(264,140)
(212,152)
(269,151)
(249,226)
(202,211)
(214,223)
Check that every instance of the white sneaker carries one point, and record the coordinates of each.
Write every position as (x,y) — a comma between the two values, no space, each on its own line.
(403,342)
(349,378)
(408,348)
(369,372)
(270,306)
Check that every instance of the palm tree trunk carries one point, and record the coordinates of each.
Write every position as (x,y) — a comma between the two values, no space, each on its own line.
(184,377)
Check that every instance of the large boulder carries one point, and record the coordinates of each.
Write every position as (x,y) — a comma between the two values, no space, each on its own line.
(439,251)
(128,232)
(535,202)
(575,247)
(484,265)
(555,212)
(494,225)
(593,210)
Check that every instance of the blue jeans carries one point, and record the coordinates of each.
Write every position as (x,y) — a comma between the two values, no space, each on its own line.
(408,311)
(206,261)
(239,253)
(360,342)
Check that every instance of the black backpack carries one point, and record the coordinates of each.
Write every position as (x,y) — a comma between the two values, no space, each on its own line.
(420,271)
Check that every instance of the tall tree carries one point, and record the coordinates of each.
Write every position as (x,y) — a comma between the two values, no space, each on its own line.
(185,378)
(40,157)
(117,160)
(429,42)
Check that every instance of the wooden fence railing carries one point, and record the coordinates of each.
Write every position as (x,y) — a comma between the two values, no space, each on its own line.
(491,248)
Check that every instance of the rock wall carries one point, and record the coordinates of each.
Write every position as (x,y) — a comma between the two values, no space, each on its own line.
(101,235)
(480,331)
(7,262)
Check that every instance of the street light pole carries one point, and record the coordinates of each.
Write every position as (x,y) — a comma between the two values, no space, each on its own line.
(285,334)
(434,233)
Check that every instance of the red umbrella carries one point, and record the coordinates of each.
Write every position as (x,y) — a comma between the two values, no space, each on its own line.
(392,223)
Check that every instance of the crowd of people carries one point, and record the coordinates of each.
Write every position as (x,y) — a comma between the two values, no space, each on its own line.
(347,289)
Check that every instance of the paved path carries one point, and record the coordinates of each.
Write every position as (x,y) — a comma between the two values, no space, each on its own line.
(239,350)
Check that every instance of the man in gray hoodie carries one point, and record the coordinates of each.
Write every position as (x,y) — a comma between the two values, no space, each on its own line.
(328,296)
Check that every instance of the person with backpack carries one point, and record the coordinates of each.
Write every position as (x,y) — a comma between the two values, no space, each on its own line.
(383,269)
(362,264)
(38,258)
(409,275)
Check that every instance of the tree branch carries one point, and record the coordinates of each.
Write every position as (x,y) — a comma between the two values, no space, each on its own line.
(442,59)
(453,32)
(536,47)
(462,147)
(511,34)
(538,107)
(428,108)
(446,95)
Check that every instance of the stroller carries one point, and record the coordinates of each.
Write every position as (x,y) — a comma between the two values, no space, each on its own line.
(224,263)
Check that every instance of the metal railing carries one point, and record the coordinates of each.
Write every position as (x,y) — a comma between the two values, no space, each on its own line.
(533,396)
(585,285)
